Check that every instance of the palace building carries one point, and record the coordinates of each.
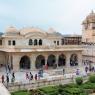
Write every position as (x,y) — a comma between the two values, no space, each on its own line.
(33,48)
(88,39)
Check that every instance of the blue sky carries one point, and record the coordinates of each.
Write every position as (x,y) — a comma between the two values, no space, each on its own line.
(65,16)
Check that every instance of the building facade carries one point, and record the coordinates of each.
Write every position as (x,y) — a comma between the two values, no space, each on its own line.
(33,48)
(88,39)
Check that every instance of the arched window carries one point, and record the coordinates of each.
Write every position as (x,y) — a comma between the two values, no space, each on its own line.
(40,42)
(14,42)
(35,42)
(30,42)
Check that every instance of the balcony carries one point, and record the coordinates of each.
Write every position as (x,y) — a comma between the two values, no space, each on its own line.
(44,48)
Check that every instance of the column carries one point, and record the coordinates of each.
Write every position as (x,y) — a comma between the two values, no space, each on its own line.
(11,61)
(57,57)
(46,58)
(5,62)
(80,64)
(68,67)
(68,60)
(33,60)
(16,60)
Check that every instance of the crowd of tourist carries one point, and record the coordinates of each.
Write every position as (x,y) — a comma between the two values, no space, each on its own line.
(28,76)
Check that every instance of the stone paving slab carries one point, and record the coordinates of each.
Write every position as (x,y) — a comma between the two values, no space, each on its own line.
(3,90)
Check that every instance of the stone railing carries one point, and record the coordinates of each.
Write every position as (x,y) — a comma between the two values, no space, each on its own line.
(38,84)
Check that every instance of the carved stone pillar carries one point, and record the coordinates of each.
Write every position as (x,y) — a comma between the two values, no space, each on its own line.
(80,64)
(68,60)
(57,57)
(46,58)
(16,62)
(33,62)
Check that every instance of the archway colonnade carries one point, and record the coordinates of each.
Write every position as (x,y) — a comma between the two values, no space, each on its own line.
(52,61)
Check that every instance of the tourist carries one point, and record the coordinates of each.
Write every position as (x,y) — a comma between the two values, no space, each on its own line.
(86,69)
(7,79)
(13,75)
(41,72)
(2,78)
(27,76)
(31,76)
(35,76)
(77,72)
(92,69)
(9,68)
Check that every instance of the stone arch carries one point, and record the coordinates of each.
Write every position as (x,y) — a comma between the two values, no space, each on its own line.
(40,61)
(51,61)
(74,60)
(62,60)
(25,62)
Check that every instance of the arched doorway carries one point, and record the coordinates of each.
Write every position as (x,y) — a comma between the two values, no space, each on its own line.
(51,60)
(3,61)
(25,62)
(40,61)
(62,60)
(74,60)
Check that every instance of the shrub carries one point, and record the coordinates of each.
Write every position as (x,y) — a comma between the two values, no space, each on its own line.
(49,89)
(79,80)
(72,91)
(92,78)
(35,92)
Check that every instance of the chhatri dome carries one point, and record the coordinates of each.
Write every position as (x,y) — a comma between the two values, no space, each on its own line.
(11,29)
(32,30)
(90,18)
(51,30)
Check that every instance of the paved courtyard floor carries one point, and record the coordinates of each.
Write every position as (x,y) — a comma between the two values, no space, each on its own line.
(20,77)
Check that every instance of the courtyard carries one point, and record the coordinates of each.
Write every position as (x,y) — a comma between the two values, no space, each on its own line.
(20,76)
